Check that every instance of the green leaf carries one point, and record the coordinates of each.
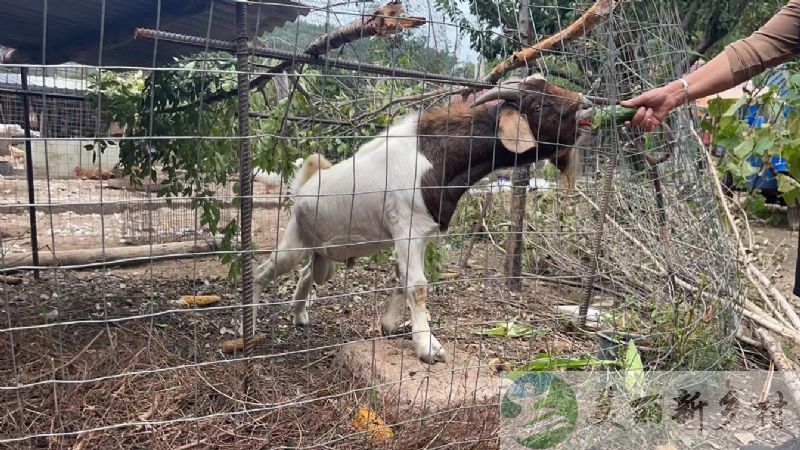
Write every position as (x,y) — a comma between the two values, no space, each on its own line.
(717,107)
(508,329)
(744,149)
(733,110)
(544,362)
(634,370)
(763,145)
(790,189)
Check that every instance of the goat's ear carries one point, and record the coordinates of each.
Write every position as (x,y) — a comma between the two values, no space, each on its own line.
(514,132)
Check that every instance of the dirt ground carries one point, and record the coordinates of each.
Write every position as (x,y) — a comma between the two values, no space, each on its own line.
(122,321)
(96,216)
(147,360)
(779,254)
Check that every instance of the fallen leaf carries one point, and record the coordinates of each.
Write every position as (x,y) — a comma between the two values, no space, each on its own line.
(369,420)
(667,446)
(508,329)
(745,437)
(496,365)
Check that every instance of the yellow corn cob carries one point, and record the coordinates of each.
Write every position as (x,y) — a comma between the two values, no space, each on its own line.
(233,345)
(197,300)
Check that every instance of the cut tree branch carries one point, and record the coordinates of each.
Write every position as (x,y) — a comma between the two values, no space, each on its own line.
(781,362)
(384,21)
(597,12)
(600,10)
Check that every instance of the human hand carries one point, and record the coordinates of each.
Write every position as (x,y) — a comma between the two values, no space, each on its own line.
(653,106)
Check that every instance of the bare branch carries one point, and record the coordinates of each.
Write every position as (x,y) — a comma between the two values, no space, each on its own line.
(597,12)
(384,21)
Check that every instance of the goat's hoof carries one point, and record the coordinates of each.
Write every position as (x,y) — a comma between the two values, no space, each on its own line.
(389,329)
(301,318)
(432,353)
(391,322)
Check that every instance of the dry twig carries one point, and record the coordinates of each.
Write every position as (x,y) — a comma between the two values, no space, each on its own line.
(781,362)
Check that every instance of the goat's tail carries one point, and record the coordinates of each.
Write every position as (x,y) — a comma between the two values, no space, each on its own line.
(568,162)
(311,166)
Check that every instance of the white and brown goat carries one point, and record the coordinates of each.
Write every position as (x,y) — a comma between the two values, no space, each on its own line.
(401,189)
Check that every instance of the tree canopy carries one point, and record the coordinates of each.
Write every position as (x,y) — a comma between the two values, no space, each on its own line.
(708,26)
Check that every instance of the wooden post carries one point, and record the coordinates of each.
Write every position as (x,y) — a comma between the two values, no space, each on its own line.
(514,243)
(520,181)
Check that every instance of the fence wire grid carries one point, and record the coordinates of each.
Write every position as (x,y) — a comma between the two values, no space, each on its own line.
(138,203)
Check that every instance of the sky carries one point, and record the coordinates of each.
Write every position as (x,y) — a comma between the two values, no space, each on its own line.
(439,34)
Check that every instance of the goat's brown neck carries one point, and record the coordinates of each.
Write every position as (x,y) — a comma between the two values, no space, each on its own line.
(461,145)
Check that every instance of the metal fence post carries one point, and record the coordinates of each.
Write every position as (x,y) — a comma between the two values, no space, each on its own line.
(26,101)
(245,188)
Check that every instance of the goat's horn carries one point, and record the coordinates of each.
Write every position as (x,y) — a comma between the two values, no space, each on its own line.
(508,91)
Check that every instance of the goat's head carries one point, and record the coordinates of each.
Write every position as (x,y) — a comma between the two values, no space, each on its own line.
(540,112)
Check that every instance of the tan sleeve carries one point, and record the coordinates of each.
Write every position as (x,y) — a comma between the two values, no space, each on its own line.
(775,43)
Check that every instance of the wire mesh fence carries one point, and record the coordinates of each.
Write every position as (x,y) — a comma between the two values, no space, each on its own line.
(506,217)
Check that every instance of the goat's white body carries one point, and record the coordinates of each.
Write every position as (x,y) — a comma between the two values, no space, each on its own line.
(374,200)
(356,208)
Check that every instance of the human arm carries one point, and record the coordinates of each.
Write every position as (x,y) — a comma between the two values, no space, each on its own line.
(776,42)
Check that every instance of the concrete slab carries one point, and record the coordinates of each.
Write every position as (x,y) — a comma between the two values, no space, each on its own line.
(391,368)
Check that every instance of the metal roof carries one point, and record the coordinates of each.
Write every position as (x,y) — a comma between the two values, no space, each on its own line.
(73,28)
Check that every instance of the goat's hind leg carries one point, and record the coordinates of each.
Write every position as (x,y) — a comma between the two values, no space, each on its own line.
(289,253)
(317,270)
(301,294)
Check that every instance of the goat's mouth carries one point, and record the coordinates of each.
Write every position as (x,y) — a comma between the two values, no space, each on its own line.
(584,118)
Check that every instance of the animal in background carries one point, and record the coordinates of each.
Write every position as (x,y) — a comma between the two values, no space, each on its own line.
(401,190)
(91,173)
(18,154)
(273,181)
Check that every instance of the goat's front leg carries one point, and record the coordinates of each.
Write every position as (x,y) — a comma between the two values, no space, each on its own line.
(393,316)
(410,261)
(301,295)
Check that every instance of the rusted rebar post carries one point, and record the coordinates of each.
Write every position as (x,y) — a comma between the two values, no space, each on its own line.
(26,121)
(245,186)
(300,58)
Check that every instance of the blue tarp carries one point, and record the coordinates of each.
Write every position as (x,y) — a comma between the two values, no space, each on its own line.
(756,120)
